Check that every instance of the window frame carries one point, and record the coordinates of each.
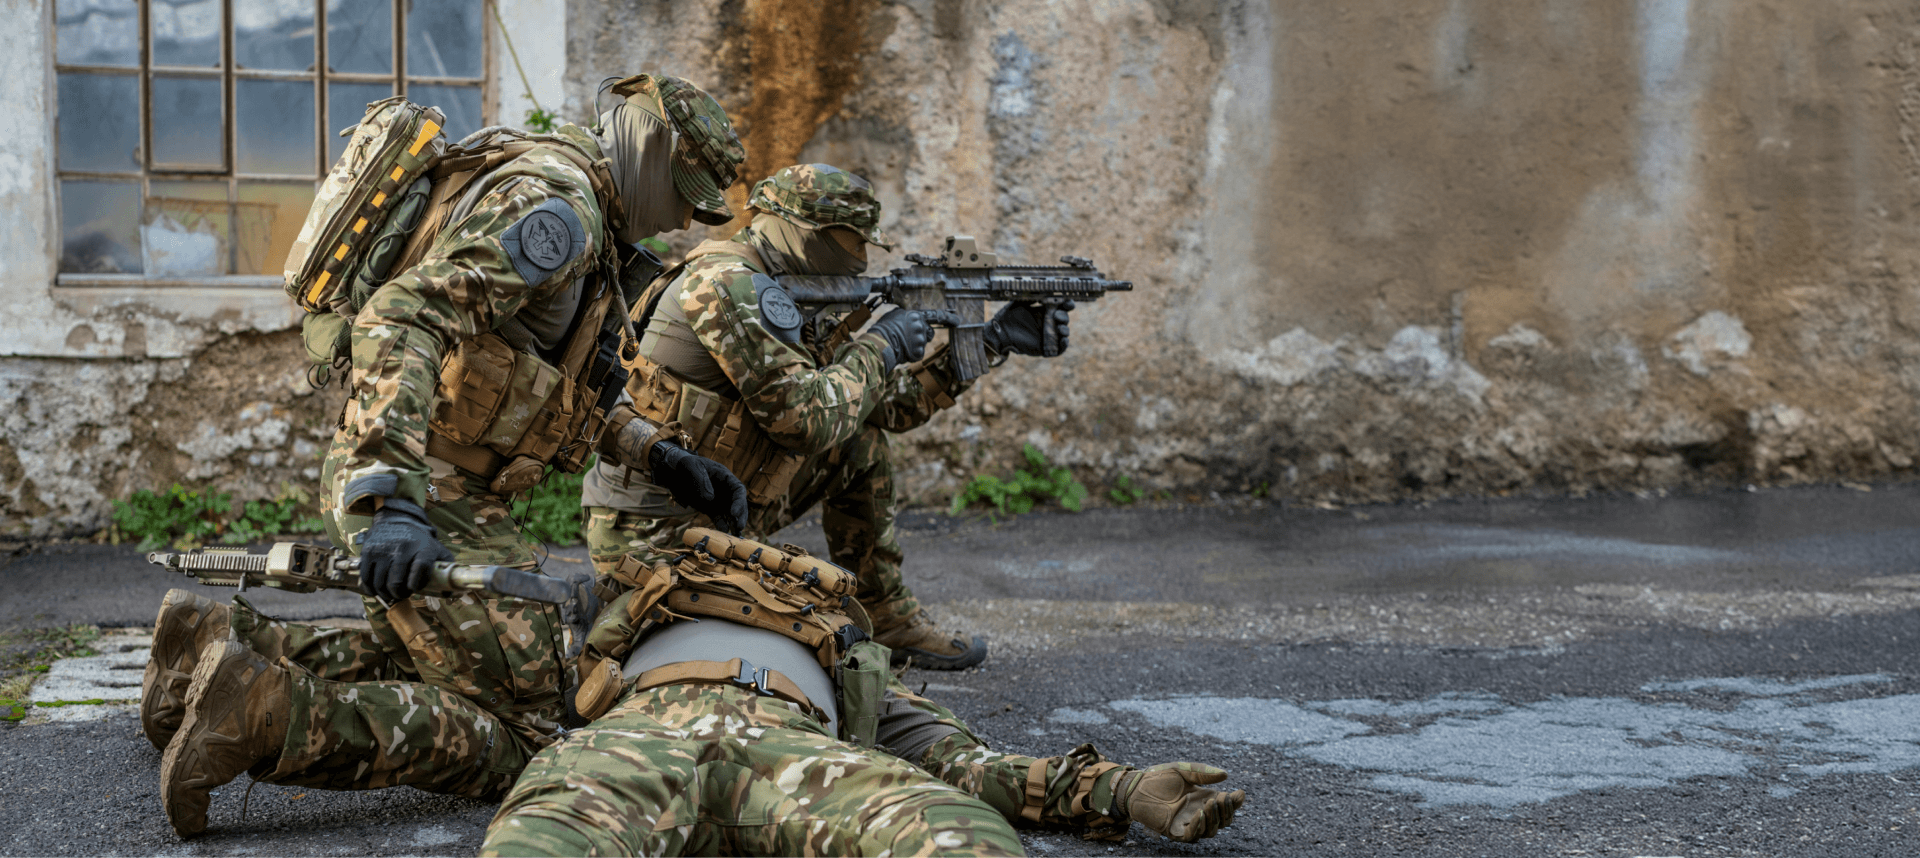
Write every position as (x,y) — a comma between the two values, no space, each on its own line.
(148,172)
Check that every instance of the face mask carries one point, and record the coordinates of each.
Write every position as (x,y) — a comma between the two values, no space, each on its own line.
(804,250)
(639,150)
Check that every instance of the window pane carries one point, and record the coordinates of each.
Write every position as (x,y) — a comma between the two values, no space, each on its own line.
(273,34)
(186,123)
(268,219)
(185,228)
(98,32)
(461,104)
(360,36)
(186,32)
(443,38)
(346,103)
(99,124)
(99,227)
(275,133)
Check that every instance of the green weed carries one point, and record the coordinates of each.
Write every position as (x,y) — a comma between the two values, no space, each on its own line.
(1124,491)
(553,507)
(542,121)
(1034,483)
(188,519)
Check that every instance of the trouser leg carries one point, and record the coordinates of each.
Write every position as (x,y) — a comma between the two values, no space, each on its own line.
(330,652)
(605,790)
(857,512)
(369,735)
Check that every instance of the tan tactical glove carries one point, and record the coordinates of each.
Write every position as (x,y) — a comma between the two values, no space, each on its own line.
(1168,798)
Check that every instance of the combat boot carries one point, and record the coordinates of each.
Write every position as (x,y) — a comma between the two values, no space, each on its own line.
(1169,799)
(238,706)
(187,623)
(921,639)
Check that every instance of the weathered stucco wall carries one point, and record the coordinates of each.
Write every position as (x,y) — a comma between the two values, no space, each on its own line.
(104,390)
(1385,249)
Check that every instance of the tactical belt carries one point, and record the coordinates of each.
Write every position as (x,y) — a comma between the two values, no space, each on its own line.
(765,682)
(472,458)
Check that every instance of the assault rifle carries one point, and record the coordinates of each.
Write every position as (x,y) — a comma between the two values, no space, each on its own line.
(961,279)
(302,568)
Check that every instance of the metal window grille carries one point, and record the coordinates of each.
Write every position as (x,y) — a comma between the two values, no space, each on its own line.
(190,134)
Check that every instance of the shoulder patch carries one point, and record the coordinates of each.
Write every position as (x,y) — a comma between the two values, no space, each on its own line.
(544,240)
(777,310)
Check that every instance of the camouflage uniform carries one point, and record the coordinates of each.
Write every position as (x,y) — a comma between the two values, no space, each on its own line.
(457,695)
(836,414)
(715,769)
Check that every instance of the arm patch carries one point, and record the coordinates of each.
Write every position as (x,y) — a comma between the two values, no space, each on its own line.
(777,311)
(544,240)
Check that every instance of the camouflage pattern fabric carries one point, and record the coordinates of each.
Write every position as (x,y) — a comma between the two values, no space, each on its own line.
(330,652)
(852,484)
(817,195)
(462,701)
(964,762)
(467,284)
(710,770)
(833,414)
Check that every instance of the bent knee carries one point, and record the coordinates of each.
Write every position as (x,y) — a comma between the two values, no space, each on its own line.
(952,823)
(534,830)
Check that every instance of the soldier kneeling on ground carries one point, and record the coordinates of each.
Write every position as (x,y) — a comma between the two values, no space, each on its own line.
(746,711)
(483,360)
(802,423)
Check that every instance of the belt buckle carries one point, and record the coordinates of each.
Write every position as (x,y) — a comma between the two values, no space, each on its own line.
(756,680)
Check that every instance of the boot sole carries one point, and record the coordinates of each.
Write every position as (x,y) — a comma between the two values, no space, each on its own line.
(186,803)
(975,653)
(163,687)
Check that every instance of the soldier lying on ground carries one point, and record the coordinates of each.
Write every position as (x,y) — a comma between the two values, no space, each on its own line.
(722,350)
(759,720)
(453,695)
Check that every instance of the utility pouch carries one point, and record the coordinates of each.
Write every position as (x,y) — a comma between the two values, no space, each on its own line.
(326,336)
(395,143)
(862,680)
(600,685)
(473,384)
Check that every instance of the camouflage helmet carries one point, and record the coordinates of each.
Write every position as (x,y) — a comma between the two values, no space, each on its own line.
(707,153)
(819,195)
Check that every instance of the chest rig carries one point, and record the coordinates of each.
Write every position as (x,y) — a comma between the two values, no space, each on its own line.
(504,408)
(719,577)
(718,422)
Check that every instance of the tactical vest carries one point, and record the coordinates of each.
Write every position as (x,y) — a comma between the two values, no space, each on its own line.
(720,577)
(503,411)
(720,426)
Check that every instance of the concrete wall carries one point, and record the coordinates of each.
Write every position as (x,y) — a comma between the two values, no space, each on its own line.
(1384,249)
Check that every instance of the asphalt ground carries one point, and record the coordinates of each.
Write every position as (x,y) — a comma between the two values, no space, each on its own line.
(1717,674)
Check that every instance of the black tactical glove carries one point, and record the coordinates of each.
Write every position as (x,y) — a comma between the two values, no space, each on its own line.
(702,484)
(907,333)
(1029,328)
(398,551)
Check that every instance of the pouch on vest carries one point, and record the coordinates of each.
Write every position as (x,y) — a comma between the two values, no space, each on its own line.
(490,393)
(862,677)
(394,145)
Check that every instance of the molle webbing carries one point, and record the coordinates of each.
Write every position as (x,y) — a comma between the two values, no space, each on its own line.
(486,385)
(782,590)
(722,429)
